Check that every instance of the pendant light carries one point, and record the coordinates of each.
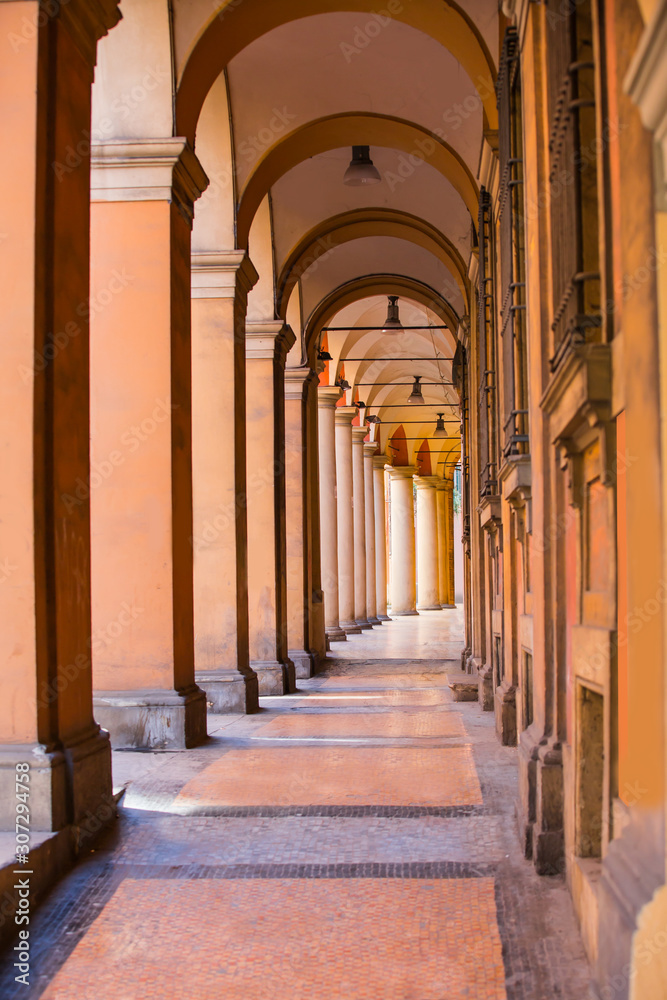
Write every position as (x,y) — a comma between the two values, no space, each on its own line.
(361,169)
(392,324)
(440,429)
(416,394)
(343,384)
(324,356)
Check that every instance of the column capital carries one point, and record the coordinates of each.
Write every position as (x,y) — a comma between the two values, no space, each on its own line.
(370,447)
(328,396)
(87,21)
(345,414)
(379,461)
(269,341)
(358,434)
(219,275)
(427,482)
(298,382)
(401,471)
(147,170)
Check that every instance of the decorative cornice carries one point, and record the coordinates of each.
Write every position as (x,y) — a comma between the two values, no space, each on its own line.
(221,275)
(147,170)
(328,396)
(427,482)
(402,471)
(298,382)
(86,21)
(268,341)
(344,415)
(646,79)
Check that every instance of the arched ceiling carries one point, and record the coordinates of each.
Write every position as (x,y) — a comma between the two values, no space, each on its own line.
(207,37)
(380,369)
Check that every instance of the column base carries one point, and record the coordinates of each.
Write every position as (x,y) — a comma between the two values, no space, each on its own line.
(485,682)
(47,786)
(448,607)
(229,691)
(505,709)
(375,621)
(274,677)
(632,907)
(350,628)
(429,607)
(334,633)
(412,612)
(304,663)
(384,618)
(89,765)
(156,719)
(363,623)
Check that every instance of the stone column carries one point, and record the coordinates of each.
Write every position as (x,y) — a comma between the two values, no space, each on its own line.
(427,544)
(344,416)
(379,462)
(317,641)
(369,506)
(445,592)
(359,512)
(327,396)
(267,345)
(141,507)
(403,595)
(46,716)
(220,285)
(299,560)
(449,522)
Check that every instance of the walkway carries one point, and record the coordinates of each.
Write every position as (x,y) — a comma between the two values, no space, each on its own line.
(355,840)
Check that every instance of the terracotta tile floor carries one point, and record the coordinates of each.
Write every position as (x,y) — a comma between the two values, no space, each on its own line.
(385,725)
(354,841)
(438,938)
(363,776)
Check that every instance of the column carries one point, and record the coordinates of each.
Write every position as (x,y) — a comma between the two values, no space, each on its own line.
(46,717)
(141,497)
(403,589)
(379,462)
(444,595)
(359,513)
(344,416)
(369,505)
(327,397)
(449,523)
(267,345)
(220,285)
(427,544)
(298,382)
(317,641)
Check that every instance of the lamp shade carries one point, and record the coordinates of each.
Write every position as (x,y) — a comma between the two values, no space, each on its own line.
(392,324)
(440,429)
(416,394)
(361,169)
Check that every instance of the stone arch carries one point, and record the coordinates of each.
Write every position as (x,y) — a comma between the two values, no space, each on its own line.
(206,42)
(335,131)
(368,222)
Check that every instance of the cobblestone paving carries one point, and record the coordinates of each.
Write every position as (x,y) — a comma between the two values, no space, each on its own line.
(355,840)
